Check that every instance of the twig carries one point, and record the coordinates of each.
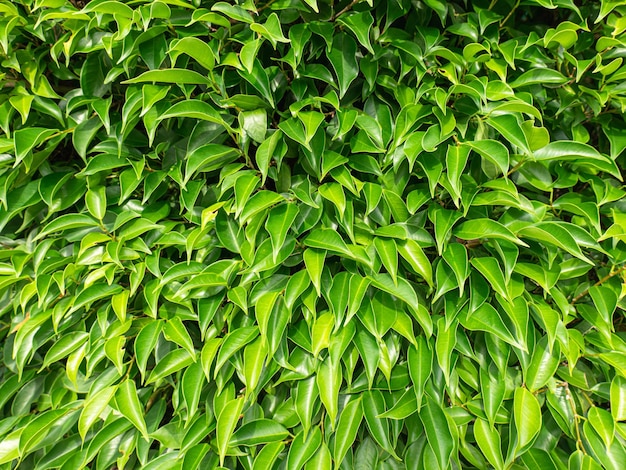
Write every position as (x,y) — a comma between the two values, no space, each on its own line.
(601,281)
(510,13)
(348,8)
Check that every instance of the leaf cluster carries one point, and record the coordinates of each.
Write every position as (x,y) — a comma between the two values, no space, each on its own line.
(312,234)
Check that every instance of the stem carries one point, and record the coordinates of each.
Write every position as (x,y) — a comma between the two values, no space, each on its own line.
(348,8)
(515,168)
(572,404)
(510,13)
(600,282)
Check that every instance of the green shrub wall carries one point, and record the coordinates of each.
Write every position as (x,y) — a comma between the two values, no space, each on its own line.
(312,234)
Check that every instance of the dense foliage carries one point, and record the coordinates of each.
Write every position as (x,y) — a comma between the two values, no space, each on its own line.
(312,234)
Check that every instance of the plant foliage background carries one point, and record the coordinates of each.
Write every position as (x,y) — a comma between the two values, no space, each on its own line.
(312,234)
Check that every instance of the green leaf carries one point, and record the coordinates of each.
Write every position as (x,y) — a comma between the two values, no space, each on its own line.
(268,455)
(343,58)
(347,429)
(488,441)
(438,432)
(360,24)
(414,255)
(172,362)
(209,157)
(327,239)
(254,358)
(192,384)
(127,402)
(543,364)
(554,234)
(527,417)
(94,293)
(492,150)
(235,12)
(306,395)
(193,109)
(64,347)
(94,406)
(579,153)
(509,127)
(388,253)
(174,330)
(279,221)
(28,138)
(373,407)
(265,152)
(226,423)
(490,269)
(145,342)
(254,124)
(493,390)
(195,48)
(259,431)
(618,398)
(456,257)
(328,382)
(270,30)
(456,159)
(486,318)
(539,75)
(443,220)
(303,448)
(182,76)
(476,229)
(96,202)
(233,342)
(420,367)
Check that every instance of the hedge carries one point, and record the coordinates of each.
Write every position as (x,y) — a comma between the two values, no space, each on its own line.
(312,234)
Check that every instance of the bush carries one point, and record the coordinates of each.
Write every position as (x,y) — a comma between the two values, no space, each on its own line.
(312,234)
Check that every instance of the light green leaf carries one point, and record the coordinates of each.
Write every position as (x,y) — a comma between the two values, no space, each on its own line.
(271,30)
(578,153)
(28,138)
(438,432)
(128,404)
(329,380)
(509,127)
(226,424)
(303,448)
(492,150)
(195,48)
(172,362)
(347,429)
(182,76)
(388,253)
(258,431)
(209,157)
(543,364)
(476,229)
(527,417)
(488,441)
(268,455)
(93,407)
(618,398)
